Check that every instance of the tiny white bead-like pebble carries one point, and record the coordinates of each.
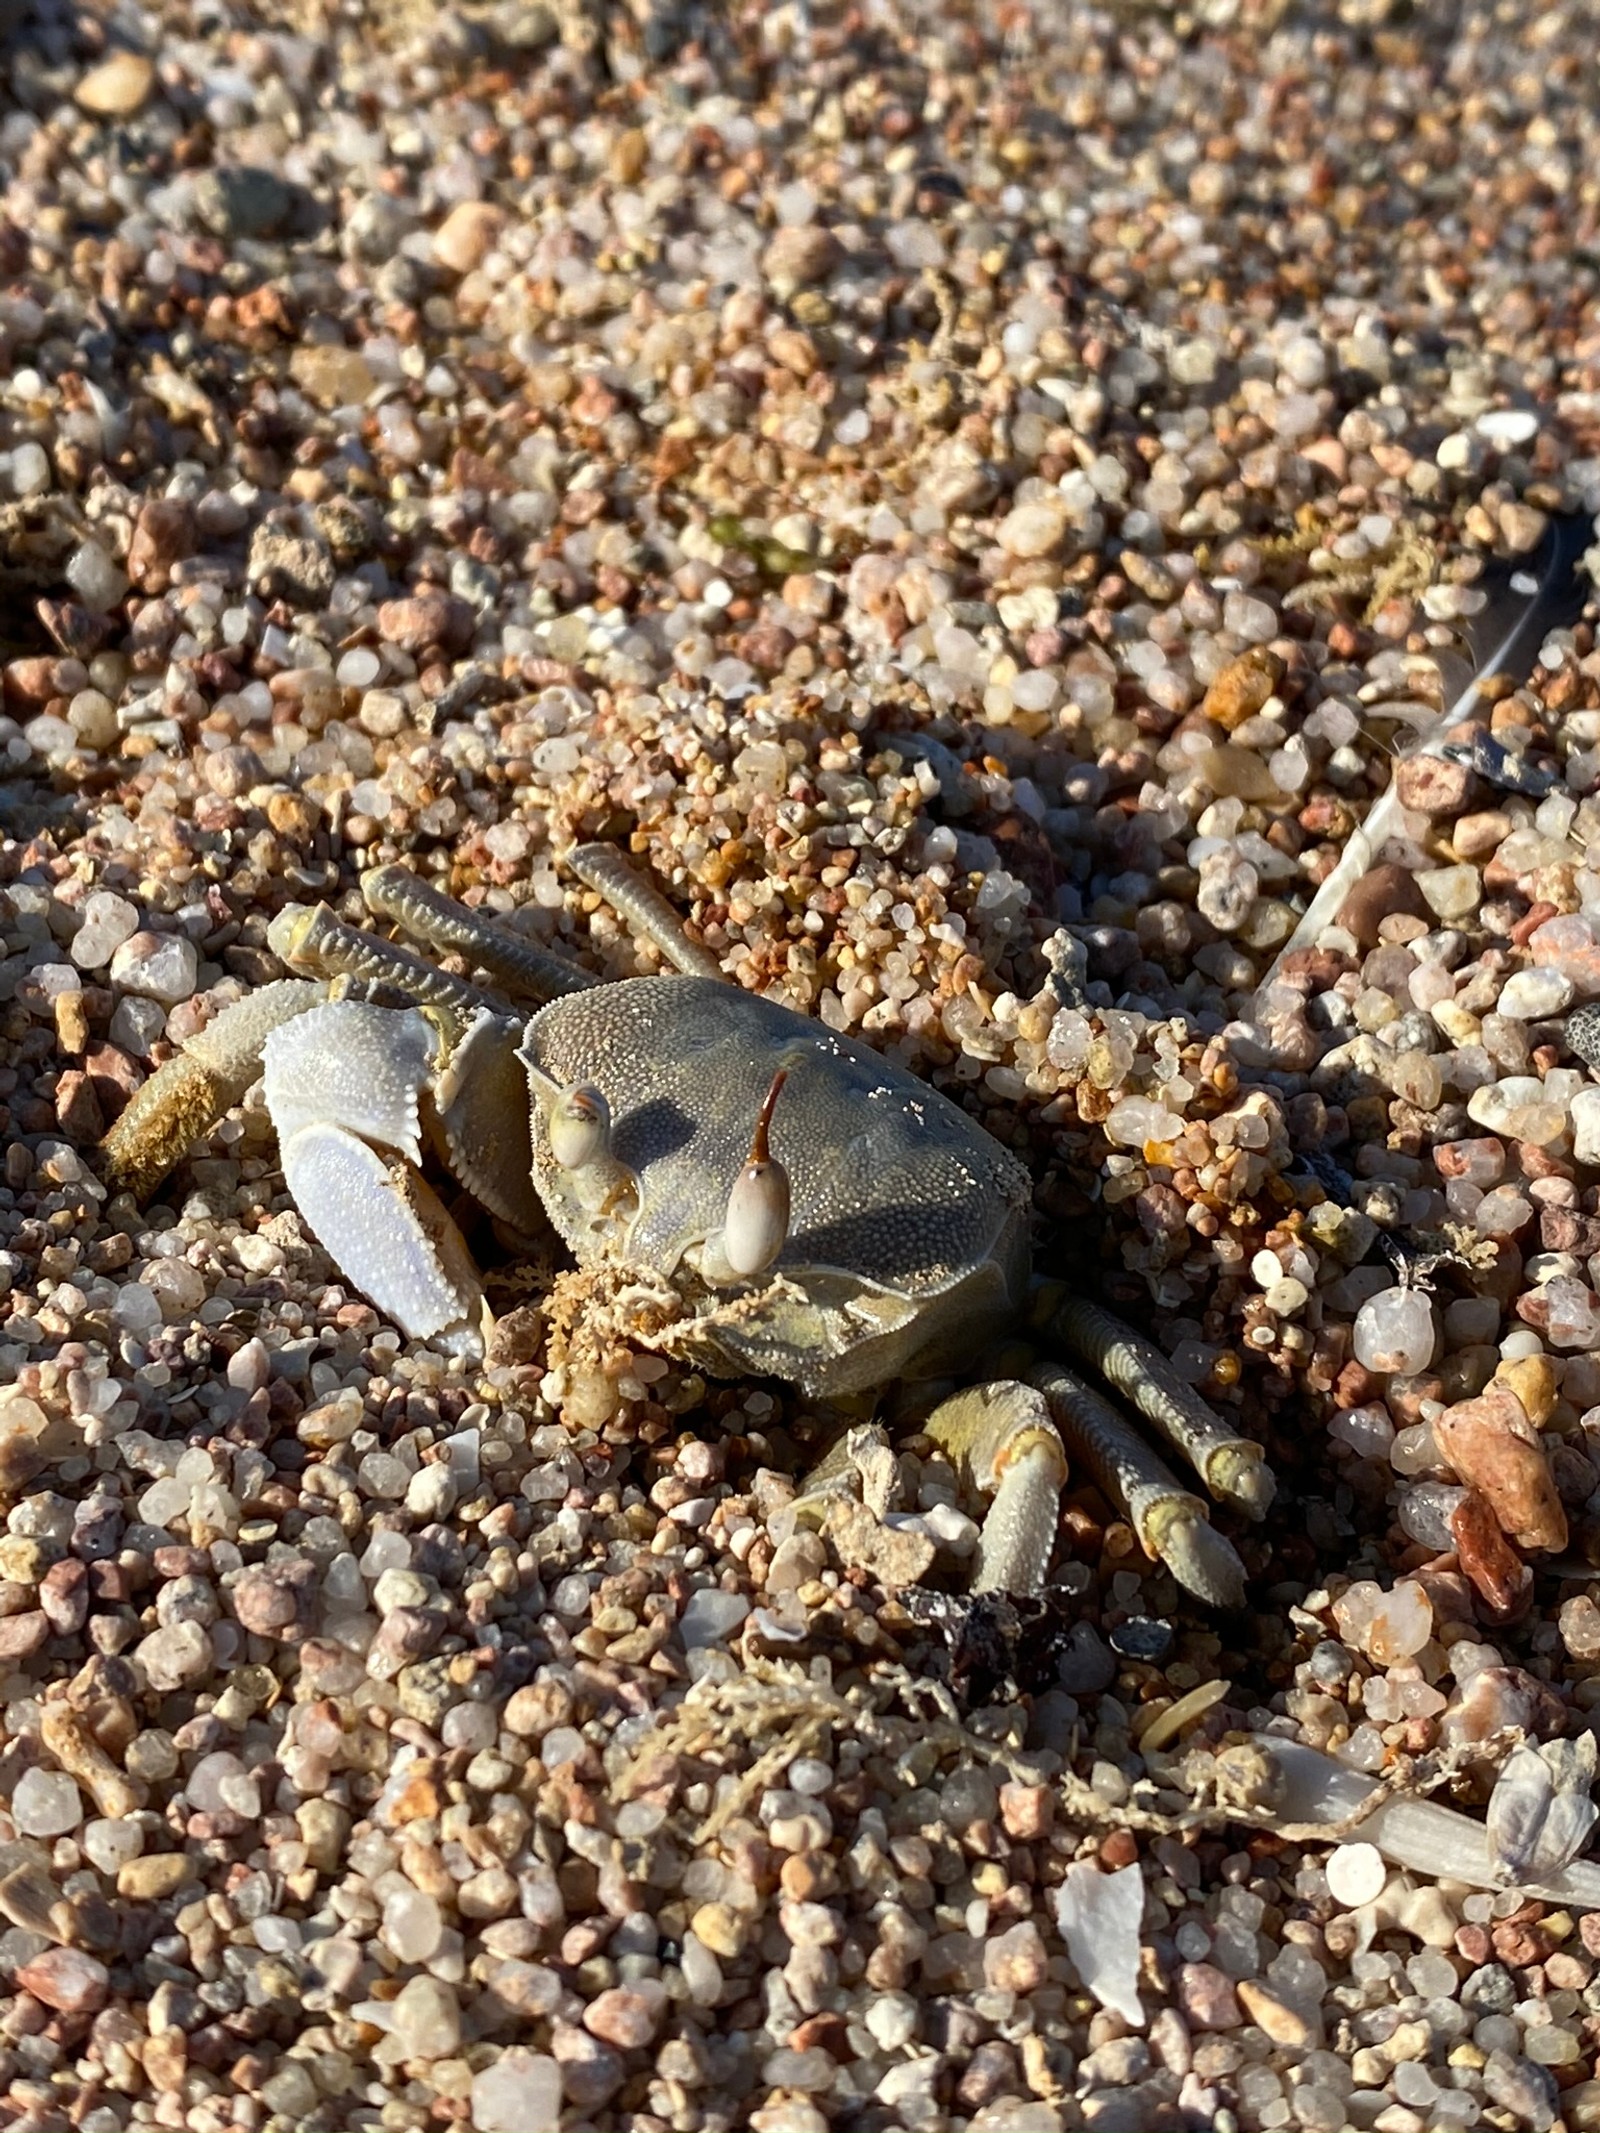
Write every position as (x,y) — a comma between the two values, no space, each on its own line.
(1356,1874)
(1508,426)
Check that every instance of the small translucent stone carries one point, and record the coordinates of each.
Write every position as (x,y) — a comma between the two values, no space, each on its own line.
(892,2020)
(107,921)
(1415,1077)
(46,1803)
(1451,892)
(159,966)
(1586,1125)
(520,2092)
(1229,886)
(1368,1431)
(1413,2084)
(427,2019)
(1136,1121)
(108,1845)
(1387,1626)
(711,1617)
(1574,1320)
(412,1926)
(98,581)
(1033,529)
(1549,2044)
(1396,1333)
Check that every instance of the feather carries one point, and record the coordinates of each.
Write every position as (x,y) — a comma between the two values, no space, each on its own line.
(1525,603)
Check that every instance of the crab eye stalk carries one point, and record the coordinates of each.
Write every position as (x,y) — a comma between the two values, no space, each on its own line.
(757,1221)
(580,1127)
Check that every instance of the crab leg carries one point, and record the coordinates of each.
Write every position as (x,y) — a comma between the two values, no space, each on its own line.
(1003,1442)
(1232,1467)
(184,1098)
(1172,1526)
(428,915)
(310,937)
(478,1116)
(602,867)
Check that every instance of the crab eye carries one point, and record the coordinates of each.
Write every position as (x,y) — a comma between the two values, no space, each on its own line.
(580,1127)
(757,1220)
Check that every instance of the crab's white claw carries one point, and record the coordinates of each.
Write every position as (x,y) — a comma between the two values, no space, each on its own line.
(388,1231)
(350,1064)
(342,1078)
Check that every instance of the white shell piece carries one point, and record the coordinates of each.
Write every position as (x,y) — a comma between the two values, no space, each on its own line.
(1099,1916)
(1424,1835)
(385,1229)
(350,1064)
(1540,1813)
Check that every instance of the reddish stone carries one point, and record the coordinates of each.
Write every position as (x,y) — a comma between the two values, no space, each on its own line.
(64,1596)
(163,534)
(1434,785)
(68,1980)
(1496,1572)
(1493,1447)
(1379,894)
(428,617)
(78,1111)
(22,1635)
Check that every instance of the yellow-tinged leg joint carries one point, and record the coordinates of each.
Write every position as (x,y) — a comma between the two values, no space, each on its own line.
(1002,1442)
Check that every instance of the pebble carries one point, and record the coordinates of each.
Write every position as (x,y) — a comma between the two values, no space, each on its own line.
(1535,995)
(415,538)
(243,200)
(1207,1997)
(628,2015)
(1389,1626)
(158,966)
(1034,529)
(117,87)
(45,1803)
(1491,1444)
(1396,1331)
(466,235)
(1382,892)
(711,1618)
(1283,2023)
(519,2092)
(426,2018)
(1356,1875)
(67,1979)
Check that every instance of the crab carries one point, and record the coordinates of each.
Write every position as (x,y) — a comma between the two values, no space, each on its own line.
(764,1196)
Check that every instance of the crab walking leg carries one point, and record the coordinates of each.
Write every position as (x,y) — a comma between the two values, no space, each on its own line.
(184,1099)
(602,867)
(1003,1443)
(428,915)
(1232,1467)
(344,1087)
(309,937)
(1173,1527)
